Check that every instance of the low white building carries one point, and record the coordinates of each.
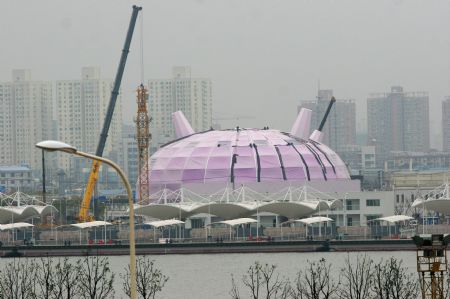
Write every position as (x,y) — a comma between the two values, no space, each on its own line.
(361,207)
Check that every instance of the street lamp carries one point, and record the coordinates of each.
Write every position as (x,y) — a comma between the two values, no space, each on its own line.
(52,145)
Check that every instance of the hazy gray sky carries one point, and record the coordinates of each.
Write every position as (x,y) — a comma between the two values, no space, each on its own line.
(263,56)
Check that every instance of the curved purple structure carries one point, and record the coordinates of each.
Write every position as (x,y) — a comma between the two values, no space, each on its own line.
(242,156)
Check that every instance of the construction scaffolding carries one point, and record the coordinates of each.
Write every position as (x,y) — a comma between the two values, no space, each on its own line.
(143,138)
(432,265)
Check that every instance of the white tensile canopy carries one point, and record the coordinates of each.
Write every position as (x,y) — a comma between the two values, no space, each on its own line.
(234,210)
(440,205)
(312,220)
(395,218)
(238,221)
(15,225)
(161,223)
(20,213)
(91,224)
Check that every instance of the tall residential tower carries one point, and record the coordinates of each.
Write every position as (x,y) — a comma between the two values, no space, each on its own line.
(81,109)
(340,128)
(26,117)
(398,121)
(182,92)
(446,125)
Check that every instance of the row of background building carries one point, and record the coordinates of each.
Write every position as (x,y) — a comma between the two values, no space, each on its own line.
(398,136)
(73,111)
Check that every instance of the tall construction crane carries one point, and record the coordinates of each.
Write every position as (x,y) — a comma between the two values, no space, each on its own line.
(93,176)
(143,138)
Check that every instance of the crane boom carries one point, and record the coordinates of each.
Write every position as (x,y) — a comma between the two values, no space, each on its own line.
(93,176)
(324,119)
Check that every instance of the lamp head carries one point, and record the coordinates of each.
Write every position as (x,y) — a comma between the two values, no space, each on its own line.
(53,145)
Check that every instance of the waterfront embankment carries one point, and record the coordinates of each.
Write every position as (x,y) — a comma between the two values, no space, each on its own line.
(212,248)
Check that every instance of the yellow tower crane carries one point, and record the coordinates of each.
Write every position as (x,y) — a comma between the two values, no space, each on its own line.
(143,138)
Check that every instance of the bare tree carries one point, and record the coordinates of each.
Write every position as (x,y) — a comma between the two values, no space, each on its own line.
(315,282)
(357,278)
(45,278)
(149,279)
(66,279)
(392,281)
(96,279)
(234,293)
(262,280)
(17,279)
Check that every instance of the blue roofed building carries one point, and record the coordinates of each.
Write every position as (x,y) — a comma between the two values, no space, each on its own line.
(15,177)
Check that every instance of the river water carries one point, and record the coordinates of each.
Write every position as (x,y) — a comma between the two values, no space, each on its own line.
(208,276)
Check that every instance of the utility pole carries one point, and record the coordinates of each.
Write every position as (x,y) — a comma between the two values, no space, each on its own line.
(44,192)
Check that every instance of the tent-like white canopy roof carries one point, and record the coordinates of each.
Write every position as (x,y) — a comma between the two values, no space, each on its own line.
(440,205)
(17,213)
(238,221)
(313,220)
(15,225)
(233,210)
(90,224)
(161,223)
(395,218)
(166,211)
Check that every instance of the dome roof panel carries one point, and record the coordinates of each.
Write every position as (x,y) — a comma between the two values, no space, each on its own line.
(244,155)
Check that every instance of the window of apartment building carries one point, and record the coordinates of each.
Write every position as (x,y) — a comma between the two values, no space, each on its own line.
(372,202)
(352,204)
(349,221)
(397,198)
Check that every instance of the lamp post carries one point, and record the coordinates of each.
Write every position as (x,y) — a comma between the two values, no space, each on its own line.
(52,145)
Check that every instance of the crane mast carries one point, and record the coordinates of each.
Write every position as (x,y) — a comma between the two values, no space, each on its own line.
(93,176)
(143,138)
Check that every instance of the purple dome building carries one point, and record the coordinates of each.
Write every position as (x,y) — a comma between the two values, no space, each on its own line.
(242,156)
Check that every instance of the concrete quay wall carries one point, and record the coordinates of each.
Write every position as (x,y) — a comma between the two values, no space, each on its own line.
(211,248)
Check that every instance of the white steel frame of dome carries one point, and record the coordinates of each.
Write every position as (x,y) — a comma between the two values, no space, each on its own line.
(242,202)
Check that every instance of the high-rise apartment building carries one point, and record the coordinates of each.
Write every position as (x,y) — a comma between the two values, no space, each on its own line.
(398,121)
(130,151)
(340,127)
(182,92)
(446,125)
(26,115)
(81,108)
